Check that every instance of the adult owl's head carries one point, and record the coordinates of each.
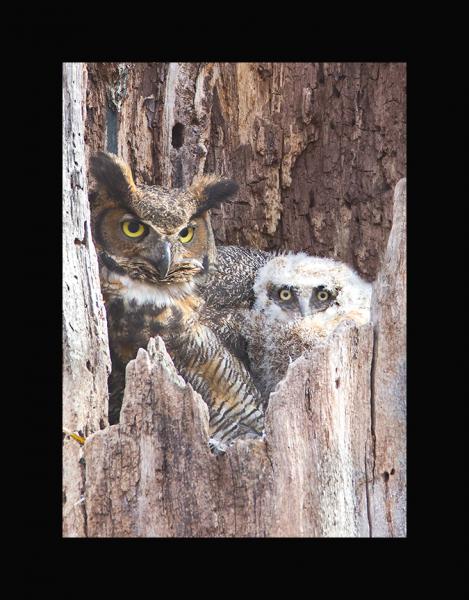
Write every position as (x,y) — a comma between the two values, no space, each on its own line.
(159,236)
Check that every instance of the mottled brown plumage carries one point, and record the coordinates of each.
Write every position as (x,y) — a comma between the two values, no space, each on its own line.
(227,292)
(155,247)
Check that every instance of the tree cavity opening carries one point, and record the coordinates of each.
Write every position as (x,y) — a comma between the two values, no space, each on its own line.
(177,137)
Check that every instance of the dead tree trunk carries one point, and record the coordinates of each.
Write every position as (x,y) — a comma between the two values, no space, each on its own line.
(317,150)
(388,498)
(86,362)
(153,474)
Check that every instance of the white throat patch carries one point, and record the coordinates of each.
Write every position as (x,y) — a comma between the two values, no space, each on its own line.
(145,293)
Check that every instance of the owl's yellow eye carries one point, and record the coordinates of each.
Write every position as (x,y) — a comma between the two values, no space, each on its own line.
(133,229)
(284,294)
(186,235)
(322,295)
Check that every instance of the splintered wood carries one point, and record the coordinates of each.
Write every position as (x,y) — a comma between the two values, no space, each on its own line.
(86,362)
(332,463)
(153,474)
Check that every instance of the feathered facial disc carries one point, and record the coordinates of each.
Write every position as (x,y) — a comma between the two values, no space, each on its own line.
(294,286)
(152,233)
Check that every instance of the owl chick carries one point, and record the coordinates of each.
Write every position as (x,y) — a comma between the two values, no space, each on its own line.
(154,245)
(299,300)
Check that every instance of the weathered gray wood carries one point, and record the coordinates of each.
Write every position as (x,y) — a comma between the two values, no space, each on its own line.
(149,475)
(319,432)
(86,360)
(388,487)
(153,475)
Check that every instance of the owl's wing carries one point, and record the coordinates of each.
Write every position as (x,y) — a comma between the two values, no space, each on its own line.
(228,326)
(227,293)
(231,277)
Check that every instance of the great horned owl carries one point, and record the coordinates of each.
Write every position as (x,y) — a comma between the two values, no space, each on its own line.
(299,300)
(154,245)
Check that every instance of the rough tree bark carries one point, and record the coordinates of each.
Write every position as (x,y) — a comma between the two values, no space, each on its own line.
(86,362)
(317,150)
(388,401)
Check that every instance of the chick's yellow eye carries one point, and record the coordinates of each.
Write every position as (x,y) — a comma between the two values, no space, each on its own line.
(284,294)
(322,295)
(186,235)
(133,229)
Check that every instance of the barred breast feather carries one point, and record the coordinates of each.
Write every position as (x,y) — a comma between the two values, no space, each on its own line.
(231,277)
(223,382)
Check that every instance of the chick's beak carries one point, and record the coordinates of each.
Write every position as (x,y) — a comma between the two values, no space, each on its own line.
(305,308)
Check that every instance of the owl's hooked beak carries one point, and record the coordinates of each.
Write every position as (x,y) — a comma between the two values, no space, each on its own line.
(305,308)
(163,259)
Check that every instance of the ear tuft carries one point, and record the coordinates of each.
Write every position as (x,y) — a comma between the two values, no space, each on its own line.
(215,193)
(219,192)
(113,174)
